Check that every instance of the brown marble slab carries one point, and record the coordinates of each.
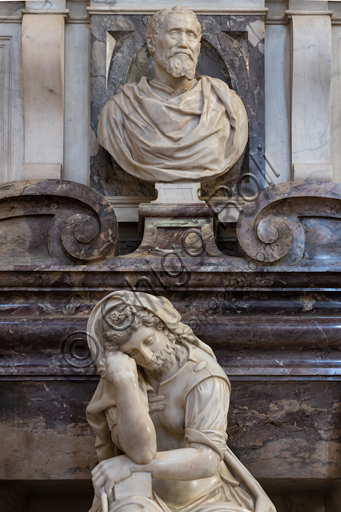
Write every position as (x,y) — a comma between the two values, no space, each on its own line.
(274,326)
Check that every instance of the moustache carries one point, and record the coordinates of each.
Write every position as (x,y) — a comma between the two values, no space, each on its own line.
(174,52)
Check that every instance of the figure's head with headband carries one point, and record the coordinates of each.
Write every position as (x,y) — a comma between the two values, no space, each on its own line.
(121,313)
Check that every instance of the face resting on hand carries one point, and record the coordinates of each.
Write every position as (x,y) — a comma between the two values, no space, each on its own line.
(148,347)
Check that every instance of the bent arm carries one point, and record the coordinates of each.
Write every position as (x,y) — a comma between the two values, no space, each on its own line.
(134,431)
(190,463)
(183,464)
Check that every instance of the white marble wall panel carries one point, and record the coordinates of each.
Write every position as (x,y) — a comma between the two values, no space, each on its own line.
(335,94)
(277,102)
(46,5)
(76,143)
(43,79)
(310,140)
(5,106)
(190,4)
(11,106)
(10,12)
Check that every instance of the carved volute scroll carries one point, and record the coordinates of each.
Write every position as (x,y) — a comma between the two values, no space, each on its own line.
(293,223)
(54,222)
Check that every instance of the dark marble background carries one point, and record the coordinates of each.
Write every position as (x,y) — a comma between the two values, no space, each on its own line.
(119,55)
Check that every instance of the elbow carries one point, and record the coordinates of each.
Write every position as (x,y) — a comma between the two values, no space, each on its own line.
(210,463)
(144,455)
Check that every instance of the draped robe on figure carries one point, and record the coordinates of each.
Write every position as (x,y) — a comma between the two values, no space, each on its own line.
(192,406)
(158,136)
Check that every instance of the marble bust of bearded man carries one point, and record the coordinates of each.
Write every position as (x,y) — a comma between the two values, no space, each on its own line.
(175,127)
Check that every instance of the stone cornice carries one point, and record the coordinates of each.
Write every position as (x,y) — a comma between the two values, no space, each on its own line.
(150,10)
(63,12)
(290,13)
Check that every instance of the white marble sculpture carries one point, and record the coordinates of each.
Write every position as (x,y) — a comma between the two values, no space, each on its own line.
(175,127)
(160,415)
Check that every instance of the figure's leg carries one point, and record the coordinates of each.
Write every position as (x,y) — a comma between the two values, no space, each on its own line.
(135,504)
(220,507)
(223,499)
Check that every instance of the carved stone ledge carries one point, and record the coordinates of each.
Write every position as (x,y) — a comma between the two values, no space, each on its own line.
(294,223)
(185,228)
(54,222)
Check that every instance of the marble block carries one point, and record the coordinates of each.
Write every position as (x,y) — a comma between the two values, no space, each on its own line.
(175,193)
(11,104)
(315,171)
(76,124)
(43,81)
(311,95)
(277,93)
(335,101)
(137,484)
(44,171)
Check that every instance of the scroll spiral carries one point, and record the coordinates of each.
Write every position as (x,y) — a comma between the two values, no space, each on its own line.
(270,228)
(82,238)
(89,235)
(277,235)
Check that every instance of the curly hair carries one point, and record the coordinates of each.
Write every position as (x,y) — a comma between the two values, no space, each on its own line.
(156,22)
(120,324)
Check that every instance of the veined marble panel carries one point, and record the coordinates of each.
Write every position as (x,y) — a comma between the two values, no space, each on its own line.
(5,106)
(43,73)
(277,94)
(311,96)
(190,4)
(76,121)
(335,99)
(10,12)
(11,108)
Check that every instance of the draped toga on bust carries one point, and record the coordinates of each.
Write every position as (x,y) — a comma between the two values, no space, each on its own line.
(156,135)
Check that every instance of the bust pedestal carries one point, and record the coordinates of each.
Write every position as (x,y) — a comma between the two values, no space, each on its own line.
(177,193)
(177,221)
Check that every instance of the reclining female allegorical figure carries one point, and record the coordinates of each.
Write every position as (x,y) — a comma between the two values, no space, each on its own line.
(161,408)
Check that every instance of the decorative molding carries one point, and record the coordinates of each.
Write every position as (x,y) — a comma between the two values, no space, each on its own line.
(5,107)
(150,10)
(336,20)
(63,12)
(290,13)
(78,21)
(55,222)
(277,21)
(126,207)
(10,19)
(294,223)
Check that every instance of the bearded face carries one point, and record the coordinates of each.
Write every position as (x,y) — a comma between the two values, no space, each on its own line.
(177,46)
(177,64)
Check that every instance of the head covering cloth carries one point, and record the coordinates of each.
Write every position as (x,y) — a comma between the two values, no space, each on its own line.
(135,301)
(98,324)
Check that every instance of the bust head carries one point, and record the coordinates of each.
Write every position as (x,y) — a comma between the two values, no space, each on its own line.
(173,40)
